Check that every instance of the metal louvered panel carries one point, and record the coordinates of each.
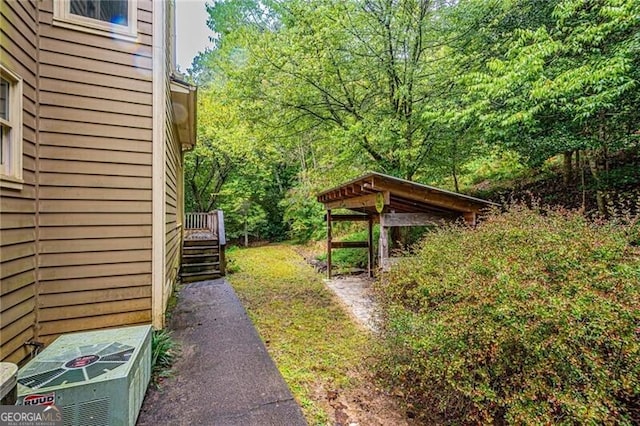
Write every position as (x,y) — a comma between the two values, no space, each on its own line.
(69,415)
(94,413)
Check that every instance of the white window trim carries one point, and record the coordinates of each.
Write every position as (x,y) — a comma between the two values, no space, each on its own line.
(63,18)
(11,171)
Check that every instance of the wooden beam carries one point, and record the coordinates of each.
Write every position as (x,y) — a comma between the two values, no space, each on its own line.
(357,202)
(329,244)
(351,190)
(440,199)
(414,206)
(370,249)
(383,244)
(349,244)
(411,219)
(348,217)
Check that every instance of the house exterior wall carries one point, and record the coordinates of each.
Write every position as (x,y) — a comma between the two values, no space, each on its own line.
(77,248)
(173,207)
(18,53)
(173,180)
(95,177)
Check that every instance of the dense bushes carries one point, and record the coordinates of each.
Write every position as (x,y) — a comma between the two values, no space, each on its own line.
(532,318)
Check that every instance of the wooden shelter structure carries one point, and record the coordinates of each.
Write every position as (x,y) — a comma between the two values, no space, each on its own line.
(393,202)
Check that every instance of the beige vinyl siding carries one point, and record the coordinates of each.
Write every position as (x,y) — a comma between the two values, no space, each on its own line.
(173,180)
(173,183)
(76,240)
(18,53)
(95,178)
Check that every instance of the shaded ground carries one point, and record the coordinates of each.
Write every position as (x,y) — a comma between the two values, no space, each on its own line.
(323,354)
(620,183)
(224,375)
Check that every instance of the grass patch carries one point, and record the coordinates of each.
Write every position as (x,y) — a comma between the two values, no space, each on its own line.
(172,302)
(316,346)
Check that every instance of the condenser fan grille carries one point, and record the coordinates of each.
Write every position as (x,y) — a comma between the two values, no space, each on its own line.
(72,376)
(76,365)
(36,380)
(118,357)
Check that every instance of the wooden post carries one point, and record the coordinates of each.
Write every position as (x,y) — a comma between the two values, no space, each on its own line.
(329,244)
(470,218)
(384,244)
(211,222)
(222,259)
(370,263)
(222,241)
(222,236)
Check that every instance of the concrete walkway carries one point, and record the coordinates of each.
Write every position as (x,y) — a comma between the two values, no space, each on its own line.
(355,292)
(224,375)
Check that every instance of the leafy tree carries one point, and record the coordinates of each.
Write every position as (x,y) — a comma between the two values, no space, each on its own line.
(361,71)
(570,83)
(300,95)
(220,149)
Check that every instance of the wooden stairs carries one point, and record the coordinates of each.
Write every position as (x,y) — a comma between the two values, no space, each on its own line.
(201,260)
(203,247)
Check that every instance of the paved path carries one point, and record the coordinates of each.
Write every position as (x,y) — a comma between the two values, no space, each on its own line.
(355,293)
(224,375)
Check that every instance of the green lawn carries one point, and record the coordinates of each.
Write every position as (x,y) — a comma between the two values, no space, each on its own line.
(316,346)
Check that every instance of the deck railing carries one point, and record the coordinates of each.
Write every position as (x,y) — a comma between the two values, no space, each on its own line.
(212,222)
(200,222)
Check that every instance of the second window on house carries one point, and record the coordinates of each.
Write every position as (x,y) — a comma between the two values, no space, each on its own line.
(107,17)
(10,129)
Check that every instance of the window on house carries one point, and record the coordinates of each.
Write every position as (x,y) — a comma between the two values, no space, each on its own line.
(10,129)
(108,17)
(4,116)
(113,11)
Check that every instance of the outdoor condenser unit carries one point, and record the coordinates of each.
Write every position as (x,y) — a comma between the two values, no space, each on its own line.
(96,378)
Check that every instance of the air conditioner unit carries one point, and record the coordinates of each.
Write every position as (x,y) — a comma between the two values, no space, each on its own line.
(96,378)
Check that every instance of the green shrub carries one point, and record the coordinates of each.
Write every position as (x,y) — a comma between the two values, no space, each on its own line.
(531,318)
(164,351)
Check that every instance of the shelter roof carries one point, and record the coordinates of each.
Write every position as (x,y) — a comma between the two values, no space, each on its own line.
(399,196)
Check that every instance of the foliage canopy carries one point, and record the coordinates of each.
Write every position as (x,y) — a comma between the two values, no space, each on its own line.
(298,95)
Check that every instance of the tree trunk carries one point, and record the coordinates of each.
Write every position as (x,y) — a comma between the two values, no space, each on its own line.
(580,168)
(246,232)
(596,166)
(567,176)
(598,163)
(455,178)
(454,160)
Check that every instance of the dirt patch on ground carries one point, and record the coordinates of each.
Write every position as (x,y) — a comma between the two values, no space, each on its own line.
(362,405)
(353,290)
